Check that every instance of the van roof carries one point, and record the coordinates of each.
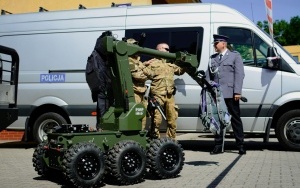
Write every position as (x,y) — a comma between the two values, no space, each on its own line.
(28,21)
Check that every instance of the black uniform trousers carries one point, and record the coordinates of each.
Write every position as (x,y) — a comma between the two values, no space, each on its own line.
(236,123)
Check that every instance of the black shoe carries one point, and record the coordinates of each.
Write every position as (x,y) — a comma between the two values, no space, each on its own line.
(216,150)
(242,151)
(151,135)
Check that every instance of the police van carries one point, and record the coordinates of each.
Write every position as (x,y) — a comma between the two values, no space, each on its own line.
(54,46)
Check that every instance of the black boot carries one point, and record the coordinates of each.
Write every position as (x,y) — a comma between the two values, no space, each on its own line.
(217,150)
(242,150)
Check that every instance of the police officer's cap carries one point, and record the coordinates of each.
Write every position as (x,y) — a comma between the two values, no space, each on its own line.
(220,38)
(131,41)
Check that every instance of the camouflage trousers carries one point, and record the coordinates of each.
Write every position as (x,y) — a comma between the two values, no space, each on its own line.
(139,98)
(167,102)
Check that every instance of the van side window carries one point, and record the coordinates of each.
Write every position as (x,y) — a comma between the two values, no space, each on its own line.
(252,48)
(179,39)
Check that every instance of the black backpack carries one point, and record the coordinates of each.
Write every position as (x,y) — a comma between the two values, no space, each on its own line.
(97,74)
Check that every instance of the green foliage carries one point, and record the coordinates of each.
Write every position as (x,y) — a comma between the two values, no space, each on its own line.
(244,51)
(292,34)
(284,33)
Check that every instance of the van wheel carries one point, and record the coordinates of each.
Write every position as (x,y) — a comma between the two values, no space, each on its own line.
(165,158)
(288,130)
(45,124)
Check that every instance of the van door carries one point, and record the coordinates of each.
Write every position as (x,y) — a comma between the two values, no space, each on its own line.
(9,75)
(262,86)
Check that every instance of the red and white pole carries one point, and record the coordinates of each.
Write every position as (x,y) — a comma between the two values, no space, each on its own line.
(269,5)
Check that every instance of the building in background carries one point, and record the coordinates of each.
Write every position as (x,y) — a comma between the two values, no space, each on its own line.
(294,51)
(25,6)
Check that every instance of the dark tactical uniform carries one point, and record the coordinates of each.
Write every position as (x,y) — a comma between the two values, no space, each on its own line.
(103,96)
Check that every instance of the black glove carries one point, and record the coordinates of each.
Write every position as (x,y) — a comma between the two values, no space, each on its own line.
(200,74)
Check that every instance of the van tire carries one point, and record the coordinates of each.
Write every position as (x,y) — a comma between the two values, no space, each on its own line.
(288,130)
(45,123)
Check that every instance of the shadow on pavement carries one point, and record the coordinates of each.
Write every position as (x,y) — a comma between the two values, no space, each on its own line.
(221,176)
(252,142)
(202,163)
(17,144)
(58,179)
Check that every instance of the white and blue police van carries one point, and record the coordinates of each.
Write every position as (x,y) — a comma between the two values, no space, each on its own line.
(54,46)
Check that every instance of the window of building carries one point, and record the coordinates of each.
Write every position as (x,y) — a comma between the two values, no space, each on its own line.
(296,58)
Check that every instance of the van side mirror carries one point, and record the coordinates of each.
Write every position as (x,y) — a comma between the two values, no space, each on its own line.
(273,59)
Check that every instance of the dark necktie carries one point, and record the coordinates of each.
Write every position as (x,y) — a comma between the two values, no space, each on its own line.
(220,56)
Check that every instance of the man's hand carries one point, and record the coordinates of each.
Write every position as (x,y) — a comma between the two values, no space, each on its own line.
(237,97)
(146,63)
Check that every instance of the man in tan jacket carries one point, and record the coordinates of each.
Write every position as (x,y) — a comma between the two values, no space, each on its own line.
(138,79)
(163,90)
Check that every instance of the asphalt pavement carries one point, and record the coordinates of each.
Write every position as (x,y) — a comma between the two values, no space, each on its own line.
(264,165)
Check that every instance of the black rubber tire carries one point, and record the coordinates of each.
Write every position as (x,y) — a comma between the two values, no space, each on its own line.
(38,161)
(165,158)
(126,162)
(288,130)
(45,123)
(83,165)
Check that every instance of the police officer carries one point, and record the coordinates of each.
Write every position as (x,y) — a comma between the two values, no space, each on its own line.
(138,79)
(163,90)
(227,69)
